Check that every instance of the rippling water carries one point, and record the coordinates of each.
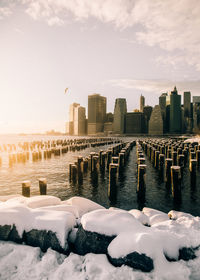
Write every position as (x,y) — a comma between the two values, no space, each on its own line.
(56,172)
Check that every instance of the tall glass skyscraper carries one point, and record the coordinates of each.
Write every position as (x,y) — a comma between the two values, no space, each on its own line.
(120,111)
(175,112)
(96,113)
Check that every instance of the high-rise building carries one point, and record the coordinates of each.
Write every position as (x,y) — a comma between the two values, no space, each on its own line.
(175,112)
(135,123)
(71,117)
(156,121)
(163,107)
(147,114)
(187,102)
(187,121)
(120,111)
(142,103)
(96,113)
(79,121)
(196,114)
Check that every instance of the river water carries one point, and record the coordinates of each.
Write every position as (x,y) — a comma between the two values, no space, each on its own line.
(55,170)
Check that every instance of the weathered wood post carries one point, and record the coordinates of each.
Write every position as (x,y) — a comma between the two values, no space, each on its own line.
(176,182)
(43,186)
(26,185)
(198,157)
(79,169)
(74,173)
(193,168)
(141,185)
(168,164)
(161,165)
(181,160)
(113,174)
(174,158)
(156,161)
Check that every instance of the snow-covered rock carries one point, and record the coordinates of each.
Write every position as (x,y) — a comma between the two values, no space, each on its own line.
(4,198)
(109,222)
(63,207)
(82,204)
(26,219)
(139,215)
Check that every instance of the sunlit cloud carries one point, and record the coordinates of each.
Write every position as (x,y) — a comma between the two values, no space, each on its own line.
(157,86)
(171,25)
(5,12)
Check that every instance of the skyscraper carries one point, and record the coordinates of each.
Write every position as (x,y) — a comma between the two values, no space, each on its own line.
(120,111)
(196,114)
(163,107)
(96,113)
(142,103)
(175,112)
(187,112)
(79,121)
(156,121)
(71,117)
(135,123)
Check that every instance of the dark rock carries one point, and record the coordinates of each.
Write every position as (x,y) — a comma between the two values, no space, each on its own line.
(134,260)
(186,254)
(14,236)
(91,242)
(4,232)
(44,239)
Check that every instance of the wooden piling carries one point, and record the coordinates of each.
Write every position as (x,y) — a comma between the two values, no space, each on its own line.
(43,186)
(141,185)
(176,181)
(26,185)
(113,174)
(193,169)
(168,164)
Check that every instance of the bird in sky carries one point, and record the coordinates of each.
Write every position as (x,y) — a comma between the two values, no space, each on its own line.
(66,90)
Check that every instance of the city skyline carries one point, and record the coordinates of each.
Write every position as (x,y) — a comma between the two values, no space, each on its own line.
(123,50)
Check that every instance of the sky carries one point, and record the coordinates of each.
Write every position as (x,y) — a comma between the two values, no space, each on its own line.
(121,48)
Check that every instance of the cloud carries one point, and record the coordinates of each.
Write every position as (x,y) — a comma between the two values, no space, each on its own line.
(158,86)
(171,25)
(5,12)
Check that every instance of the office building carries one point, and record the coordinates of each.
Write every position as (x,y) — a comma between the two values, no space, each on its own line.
(196,114)
(142,103)
(120,111)
(147,114)
(163,107)
(79,121)
(71,117)
(135,123)
(96,113)
(156,121)
(187,121)
(175,112)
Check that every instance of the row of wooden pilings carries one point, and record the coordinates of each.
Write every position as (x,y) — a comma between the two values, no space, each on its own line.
(26,146)
(113,160)
(35,155)
(170,157)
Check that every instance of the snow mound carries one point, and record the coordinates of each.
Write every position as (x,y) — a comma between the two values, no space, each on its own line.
(63,207)
(174,215)
(139,215)
(155,216)
(83,205)
(4,198)
(26,219)
(109,222)
(36,201)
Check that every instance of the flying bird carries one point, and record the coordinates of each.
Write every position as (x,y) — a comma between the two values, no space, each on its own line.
(66,90)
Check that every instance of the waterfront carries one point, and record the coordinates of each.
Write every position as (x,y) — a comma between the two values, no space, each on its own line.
(55,170)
